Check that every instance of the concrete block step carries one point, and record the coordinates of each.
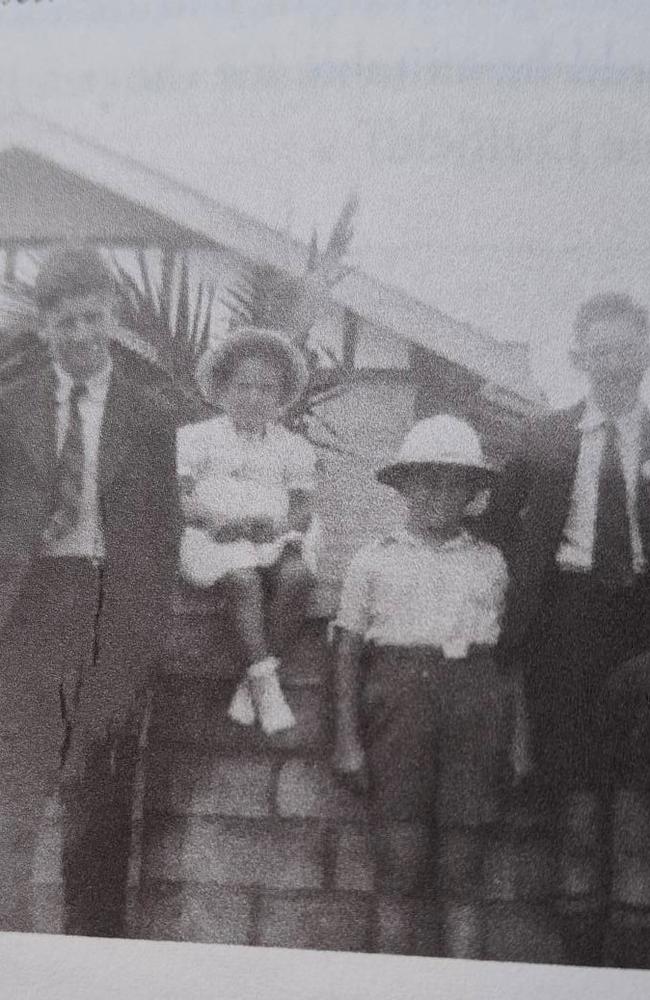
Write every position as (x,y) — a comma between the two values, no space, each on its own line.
(242,855)
(195,711)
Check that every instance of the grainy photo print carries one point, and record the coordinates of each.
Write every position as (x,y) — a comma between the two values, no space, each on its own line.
(325,477)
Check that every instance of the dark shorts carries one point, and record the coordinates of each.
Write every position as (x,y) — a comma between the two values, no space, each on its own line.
(436,735)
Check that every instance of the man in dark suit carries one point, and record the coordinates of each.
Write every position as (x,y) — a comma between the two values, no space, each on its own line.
(573,518)
(89,530)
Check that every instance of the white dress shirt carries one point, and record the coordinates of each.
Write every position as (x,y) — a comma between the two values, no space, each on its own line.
(402,592)
(86,538)
(576,549)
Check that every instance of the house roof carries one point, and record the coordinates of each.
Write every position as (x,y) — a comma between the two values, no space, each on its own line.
(181,208)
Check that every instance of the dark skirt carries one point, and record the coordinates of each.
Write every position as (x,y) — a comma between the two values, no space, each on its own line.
(436,733)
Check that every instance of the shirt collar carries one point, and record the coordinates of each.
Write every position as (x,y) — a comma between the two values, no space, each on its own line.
(593,418)
(96,385)
(270,430)
(459,541)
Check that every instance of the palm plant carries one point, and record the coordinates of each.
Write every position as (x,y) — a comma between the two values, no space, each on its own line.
(171,321)
(167,320)
(267,297)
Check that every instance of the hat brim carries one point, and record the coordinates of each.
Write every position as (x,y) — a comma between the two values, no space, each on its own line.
(215,366)
(395,474)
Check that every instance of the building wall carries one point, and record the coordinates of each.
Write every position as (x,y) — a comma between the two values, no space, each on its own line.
(371,421)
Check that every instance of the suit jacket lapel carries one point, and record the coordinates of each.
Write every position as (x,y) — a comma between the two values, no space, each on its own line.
(117,431)
(123,424)
(643,489)
(644,451)
(33,409)
(559,471)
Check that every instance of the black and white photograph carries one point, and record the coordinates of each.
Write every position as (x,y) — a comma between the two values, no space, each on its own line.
(325,484)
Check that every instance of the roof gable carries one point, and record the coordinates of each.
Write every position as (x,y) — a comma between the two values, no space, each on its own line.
(151,203)
(43,202)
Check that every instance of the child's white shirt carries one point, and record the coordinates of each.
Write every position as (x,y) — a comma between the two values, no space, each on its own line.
(235,476)
(403,591)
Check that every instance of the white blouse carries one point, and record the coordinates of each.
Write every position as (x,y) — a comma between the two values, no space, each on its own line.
(237,475)
(277,458)
(401,591)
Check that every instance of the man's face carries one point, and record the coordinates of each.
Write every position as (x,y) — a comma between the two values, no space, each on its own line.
(78,332)
(252,398)
(613,351)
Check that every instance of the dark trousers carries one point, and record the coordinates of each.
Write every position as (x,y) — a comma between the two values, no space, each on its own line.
(46,651)
(588,732)
(97,841)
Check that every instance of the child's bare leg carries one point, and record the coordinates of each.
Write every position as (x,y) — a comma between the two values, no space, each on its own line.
(287,611)
(245,601)
(259,695)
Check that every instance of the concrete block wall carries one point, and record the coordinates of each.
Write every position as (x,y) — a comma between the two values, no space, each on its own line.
(246,840)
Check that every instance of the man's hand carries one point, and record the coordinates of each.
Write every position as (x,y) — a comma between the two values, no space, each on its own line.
(260,530)
(253,529)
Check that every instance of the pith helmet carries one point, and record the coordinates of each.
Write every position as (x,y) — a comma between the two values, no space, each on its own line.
(217,364)
(439,441)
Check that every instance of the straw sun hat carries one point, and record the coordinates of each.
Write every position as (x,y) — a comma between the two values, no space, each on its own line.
(441,441)
(218,364)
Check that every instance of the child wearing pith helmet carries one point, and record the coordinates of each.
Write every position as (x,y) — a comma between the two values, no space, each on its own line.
(421,708)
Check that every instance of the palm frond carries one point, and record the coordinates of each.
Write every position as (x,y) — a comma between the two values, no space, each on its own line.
(335,361)
(333,441)
(175,319)
(182,320)
(237,303)
(342,233)
(321,396)
(18,311)
(146,278)
(312,258)
(203,341)
(198,312)
(168,267)
(126,281)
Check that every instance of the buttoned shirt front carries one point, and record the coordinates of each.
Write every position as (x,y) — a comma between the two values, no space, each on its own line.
(576,549)
(86,538)
(403,591)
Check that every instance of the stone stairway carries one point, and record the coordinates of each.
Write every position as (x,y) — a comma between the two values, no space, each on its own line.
(241,839)
(248,840)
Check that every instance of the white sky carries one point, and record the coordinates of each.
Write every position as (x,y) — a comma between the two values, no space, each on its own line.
(500,198)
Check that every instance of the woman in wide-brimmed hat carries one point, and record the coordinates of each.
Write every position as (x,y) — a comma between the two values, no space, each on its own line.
(248,488)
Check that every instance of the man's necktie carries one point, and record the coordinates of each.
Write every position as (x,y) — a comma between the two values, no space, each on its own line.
(612,555)
(68,487)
